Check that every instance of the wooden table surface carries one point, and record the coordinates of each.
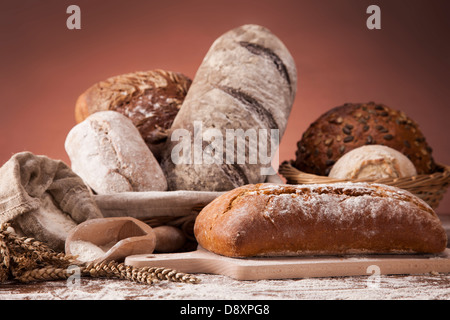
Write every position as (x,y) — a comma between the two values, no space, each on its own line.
(423,287)
(214,287)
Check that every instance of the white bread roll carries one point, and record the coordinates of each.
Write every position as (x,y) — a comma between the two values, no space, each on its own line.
(372,162)
(108,153)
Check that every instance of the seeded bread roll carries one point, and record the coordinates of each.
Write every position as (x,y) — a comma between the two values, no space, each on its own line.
(372,162)
(151,99)
(108,153)
(350,126)
(346,218)
(246,81)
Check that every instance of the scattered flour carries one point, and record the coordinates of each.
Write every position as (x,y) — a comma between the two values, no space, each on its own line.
(55,222)
(85,250)
(217,287)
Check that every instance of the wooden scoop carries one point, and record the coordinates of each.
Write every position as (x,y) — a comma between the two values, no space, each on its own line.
(110,239)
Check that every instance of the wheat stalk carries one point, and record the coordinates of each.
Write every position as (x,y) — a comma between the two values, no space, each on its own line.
(26,260)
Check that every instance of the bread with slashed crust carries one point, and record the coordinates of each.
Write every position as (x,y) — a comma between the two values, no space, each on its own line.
(247,82)
(341,218)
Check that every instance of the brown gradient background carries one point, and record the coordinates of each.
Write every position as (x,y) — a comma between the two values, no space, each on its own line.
(44,66)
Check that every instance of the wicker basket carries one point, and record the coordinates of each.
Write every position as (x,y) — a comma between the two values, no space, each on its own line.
(429,187)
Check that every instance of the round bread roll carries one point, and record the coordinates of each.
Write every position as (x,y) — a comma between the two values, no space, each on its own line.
(373,162)
(108,153)
(151,99)
(350,126)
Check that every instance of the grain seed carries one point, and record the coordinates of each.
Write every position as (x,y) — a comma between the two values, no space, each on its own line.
(349,139)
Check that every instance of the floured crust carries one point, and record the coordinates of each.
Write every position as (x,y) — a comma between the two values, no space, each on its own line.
(344,218)
(373,162)
(247,81)
(108,153)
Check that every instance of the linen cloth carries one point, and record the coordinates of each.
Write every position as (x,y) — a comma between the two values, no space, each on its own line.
(43,198)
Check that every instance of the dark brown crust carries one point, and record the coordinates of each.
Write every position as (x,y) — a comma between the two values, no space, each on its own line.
(265,219)
(150,99)
(350,126)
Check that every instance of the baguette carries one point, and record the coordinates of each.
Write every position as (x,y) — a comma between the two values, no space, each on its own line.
(341,218)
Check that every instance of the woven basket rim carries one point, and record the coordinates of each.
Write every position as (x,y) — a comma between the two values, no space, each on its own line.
(442,175)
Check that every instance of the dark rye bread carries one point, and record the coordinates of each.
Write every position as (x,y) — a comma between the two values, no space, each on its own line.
(151,99)
(352,125)
(341,218)
(247,80)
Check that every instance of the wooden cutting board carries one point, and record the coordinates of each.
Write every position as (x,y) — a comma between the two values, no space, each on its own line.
(203,261)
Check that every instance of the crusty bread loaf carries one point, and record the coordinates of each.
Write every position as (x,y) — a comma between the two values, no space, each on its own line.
(352,125)
(346,218)
(247,80)
(108,153)
(372,162)
(151,99)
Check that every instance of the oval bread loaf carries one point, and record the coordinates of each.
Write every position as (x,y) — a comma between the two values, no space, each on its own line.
(247,81)
(341,218)
(108,153)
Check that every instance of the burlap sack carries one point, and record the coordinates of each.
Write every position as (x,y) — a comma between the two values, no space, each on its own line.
(43,198)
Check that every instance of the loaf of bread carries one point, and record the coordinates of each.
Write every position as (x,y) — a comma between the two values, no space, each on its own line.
(341,218)
(352,125)
(108,153)
(373,162)
(151,99)
(247,81)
